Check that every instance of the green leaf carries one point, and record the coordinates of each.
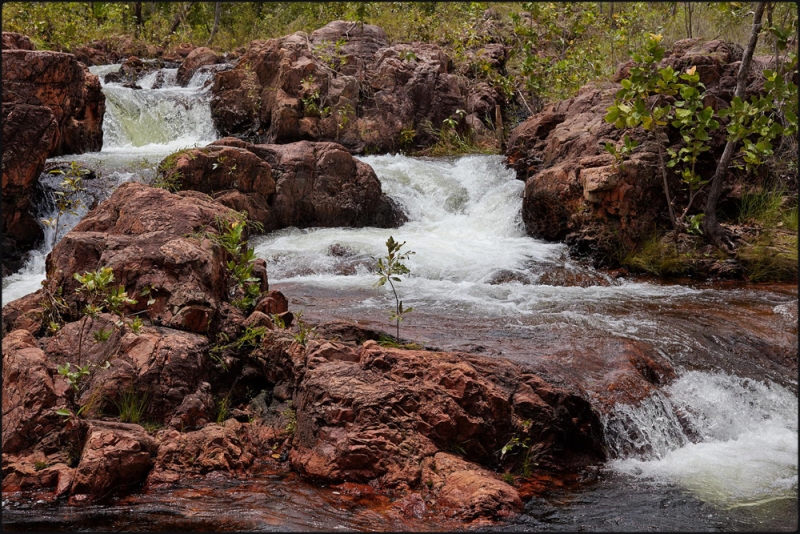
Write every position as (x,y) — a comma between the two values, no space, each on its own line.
(613,114)
(64,412)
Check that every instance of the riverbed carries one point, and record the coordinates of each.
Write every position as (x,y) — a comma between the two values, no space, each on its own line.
(478,284)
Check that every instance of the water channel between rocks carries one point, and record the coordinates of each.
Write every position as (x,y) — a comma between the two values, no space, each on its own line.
(478,284)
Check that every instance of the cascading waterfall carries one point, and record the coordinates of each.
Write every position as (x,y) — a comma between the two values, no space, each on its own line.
(474,260)
(726,439)
(140,128)
(742,447)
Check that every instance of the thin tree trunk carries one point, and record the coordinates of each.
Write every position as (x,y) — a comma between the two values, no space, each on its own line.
(711,227)
(179,17)
(137,12)
(217,12)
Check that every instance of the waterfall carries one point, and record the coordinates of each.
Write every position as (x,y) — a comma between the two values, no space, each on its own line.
(741,445)
(140,128)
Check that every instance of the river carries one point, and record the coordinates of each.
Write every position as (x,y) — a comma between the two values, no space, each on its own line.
(479,284)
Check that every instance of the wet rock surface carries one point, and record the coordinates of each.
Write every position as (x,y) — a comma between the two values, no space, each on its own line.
(423,429)
(146,236)
(344,410)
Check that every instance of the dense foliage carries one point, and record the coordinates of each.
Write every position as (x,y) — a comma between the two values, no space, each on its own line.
(555,47)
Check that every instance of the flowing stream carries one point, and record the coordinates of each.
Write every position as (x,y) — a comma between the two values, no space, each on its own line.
(715,449)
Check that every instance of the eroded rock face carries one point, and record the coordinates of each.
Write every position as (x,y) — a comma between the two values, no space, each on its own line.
(197,58)
(299,184)
(115,49)
(374,413)
(17,41)
(115,457)
(52,105)
(212,448)
(573,189)
(59,82)
(30,395)
(344,83)
(468,490)
(30,133)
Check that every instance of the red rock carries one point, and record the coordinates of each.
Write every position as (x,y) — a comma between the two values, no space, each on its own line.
(345,83)
(17,41)
(52,105)
(161,366)
(199,57)
(212,448)
(30,133)
(468,490)
(144,235)
(30,396)
(273,303)
(195,411)
(573,192)
(319,184)
(379,416)
(116,457)
(59,82)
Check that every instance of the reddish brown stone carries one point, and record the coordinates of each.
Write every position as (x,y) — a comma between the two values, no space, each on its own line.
(345,83)
(116,457)
(319,184)
(30,396)
(199,57)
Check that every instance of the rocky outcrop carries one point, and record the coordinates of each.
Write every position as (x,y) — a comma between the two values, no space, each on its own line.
(30,133)
(52,105)
(153,240)
(17,41)
(133,68)
(345,83)
(371,412)
(59,82)
(574,190)
(115,49)
(468,490)
(212,448)
(30,395)
(335,410)
(299,184)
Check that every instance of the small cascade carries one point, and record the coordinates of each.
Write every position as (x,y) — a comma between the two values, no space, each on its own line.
(140,128)
(169,115)
(727,439)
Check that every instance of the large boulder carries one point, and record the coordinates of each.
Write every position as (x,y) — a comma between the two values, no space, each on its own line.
(468,490)
(575,192)
(114,49)
(61,83)
(212,448)
(17,41)
(29,134)
(197,58)
(158,367)
(157,241)
(116,457)
(345,83)
(298,184)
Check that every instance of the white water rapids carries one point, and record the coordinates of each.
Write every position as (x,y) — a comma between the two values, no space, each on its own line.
(474,262)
